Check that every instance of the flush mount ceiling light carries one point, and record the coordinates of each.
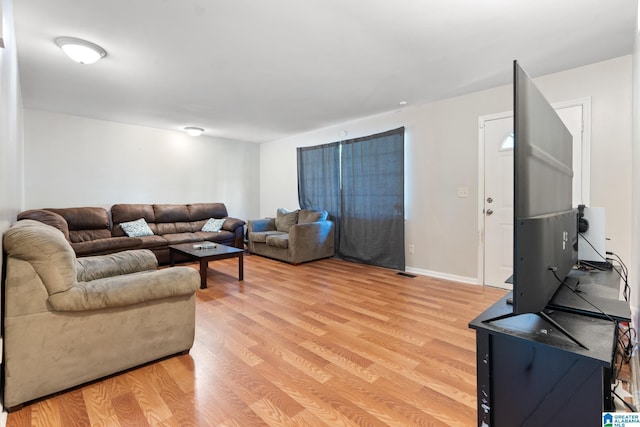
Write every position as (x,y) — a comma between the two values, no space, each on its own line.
(81,51)
(193,131)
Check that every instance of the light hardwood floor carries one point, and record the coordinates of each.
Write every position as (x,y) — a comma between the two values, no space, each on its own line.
(329,343)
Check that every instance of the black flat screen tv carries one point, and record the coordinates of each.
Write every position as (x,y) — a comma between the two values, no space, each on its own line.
(545,225)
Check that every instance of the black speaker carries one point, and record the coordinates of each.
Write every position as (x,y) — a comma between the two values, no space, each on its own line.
(583,223)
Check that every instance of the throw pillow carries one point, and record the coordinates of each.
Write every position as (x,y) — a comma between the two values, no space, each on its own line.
(306,215)
(285,219)
(213,225)
(137,228)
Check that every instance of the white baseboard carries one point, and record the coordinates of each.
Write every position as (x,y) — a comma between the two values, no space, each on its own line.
(3,413)
(635,372)
(438,275)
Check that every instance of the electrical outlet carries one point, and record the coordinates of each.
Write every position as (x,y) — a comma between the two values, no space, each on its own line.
(411,249)
(463,191)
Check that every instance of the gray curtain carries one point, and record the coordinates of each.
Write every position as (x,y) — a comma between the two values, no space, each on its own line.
(360,183)
(372,200)
(319,181)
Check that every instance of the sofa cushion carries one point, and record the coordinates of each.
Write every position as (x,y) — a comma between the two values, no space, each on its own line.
(129,212)
(85,223)
(126,262)
(163,228)
(80,236)
(285,219)
(177,238)
(127,289)
(213,224)
(222,236)
(261,236)
(137,228)
(103,246)
(171,213)
(151,242)
(307,215)
(278,240)
(200,211)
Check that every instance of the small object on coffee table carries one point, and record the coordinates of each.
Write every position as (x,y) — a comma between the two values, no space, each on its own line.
(204,255)
(204,245)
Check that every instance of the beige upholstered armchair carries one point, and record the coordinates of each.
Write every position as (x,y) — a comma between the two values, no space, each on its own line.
(293,236)
(71,320)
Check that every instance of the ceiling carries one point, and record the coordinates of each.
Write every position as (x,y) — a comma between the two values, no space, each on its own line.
(262,70)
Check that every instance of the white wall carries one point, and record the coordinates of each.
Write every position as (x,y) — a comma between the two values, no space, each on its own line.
(11,149)
(609,84)
(11,166)
(442,155)
(635,219)
(75,161)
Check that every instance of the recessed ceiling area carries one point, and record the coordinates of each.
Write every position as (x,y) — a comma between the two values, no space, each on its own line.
(262,70)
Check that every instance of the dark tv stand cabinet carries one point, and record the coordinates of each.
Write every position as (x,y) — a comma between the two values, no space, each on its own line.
(529,374)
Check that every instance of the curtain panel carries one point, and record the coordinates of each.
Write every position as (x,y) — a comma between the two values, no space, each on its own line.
(319,178)
(372,200)
(319,181)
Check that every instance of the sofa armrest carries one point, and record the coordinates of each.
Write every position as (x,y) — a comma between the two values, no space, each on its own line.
(127,262)
(105,246)
(311,240)
(311,234)
(263,224)
(236,226)
(231,224)
(47,217)
(127,289)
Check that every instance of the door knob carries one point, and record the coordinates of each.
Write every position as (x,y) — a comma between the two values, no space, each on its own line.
(489,212)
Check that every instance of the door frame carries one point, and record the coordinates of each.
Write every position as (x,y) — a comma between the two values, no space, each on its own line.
(585,162)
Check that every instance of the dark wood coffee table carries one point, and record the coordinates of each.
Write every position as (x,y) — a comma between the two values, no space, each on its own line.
(206,255)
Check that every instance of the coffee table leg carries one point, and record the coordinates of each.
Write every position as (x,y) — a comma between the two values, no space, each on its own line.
(240,267)
(203,273)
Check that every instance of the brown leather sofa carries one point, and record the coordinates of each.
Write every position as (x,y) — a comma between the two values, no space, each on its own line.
(92,231)
(87,229)
(174,224)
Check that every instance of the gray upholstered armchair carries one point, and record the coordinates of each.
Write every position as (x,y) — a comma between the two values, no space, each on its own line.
(293,236)
(69,321)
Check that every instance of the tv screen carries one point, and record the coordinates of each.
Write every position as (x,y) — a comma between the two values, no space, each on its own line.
(545,225)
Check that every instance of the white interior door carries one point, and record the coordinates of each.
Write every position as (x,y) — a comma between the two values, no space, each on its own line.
(497,134)
(498,201)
